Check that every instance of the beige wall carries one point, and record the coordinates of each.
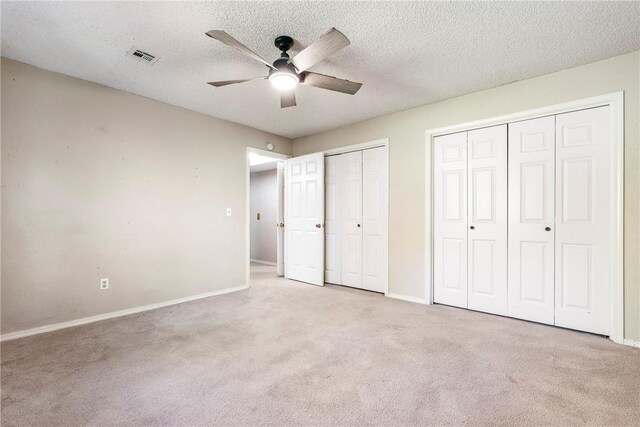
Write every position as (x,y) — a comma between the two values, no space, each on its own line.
(101,183)
(264,200)
(406,132)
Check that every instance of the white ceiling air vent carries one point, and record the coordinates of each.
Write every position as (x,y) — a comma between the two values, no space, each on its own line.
(142,56)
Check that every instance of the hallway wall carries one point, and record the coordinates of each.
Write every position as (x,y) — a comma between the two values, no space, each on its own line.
(264,200)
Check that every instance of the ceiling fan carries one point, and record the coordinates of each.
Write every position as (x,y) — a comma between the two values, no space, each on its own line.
(286,73)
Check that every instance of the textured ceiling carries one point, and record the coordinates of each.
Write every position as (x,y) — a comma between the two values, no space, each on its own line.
(406,53)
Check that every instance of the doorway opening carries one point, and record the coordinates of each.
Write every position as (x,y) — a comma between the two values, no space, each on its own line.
(265,215)
(555,277)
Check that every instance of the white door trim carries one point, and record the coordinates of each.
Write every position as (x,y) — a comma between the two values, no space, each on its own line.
(616,227)
(247,204)
(384,142)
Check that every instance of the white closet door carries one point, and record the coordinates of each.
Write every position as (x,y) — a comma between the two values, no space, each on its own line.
(374,219)
(304,213)
(487,218)
(334,192)
(280,218)
(352,224)
(531,219)
(450,219)
(582,220)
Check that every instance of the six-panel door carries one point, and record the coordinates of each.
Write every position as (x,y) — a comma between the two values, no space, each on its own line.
(582,258)
(352,223)
(374,219)
(334,199)
(450,219)
(304,213)
(487,219)
(531,219)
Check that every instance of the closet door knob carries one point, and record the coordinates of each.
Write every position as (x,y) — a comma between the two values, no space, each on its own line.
(472,227)
(318,225)
(358,225)
(547,229)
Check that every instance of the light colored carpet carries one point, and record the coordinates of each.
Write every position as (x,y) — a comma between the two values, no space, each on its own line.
(286,353)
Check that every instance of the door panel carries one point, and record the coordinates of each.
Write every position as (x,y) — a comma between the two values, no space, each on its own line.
(304,213)
(531,211)
(450,219)
(487,205)
(374,219)
(280,218)
(582,220)
(334,174)
(352,224)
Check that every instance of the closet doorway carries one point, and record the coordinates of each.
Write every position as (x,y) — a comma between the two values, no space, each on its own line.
(356,219)
(336,217)
(525,215)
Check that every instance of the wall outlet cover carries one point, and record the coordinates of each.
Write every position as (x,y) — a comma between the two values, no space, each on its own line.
(104,284)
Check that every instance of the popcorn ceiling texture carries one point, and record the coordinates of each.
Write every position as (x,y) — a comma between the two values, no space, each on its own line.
(406,53)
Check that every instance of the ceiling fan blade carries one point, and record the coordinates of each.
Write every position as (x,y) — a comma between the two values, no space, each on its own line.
(225,38)
(331,83)
(287,99)
(232,82)
(327,44)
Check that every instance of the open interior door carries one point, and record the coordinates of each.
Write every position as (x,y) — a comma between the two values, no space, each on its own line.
(304,219)
(280,219)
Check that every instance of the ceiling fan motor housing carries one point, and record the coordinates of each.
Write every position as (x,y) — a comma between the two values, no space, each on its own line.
(284,43)
(283,65)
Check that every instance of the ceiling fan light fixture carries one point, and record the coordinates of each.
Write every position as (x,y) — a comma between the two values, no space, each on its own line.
(286,73)
(284,80)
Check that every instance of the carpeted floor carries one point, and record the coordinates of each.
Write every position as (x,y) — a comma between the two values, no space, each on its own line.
(285,353)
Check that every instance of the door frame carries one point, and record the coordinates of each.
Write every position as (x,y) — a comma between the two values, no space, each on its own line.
(616,226)
(383,142)
(247,203)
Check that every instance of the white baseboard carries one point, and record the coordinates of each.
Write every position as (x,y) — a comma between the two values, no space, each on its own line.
(111,315)
(407,298)
(631,343)
(259,261)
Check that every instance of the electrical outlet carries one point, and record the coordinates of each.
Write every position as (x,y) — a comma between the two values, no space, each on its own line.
(104,284)
(228,211)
